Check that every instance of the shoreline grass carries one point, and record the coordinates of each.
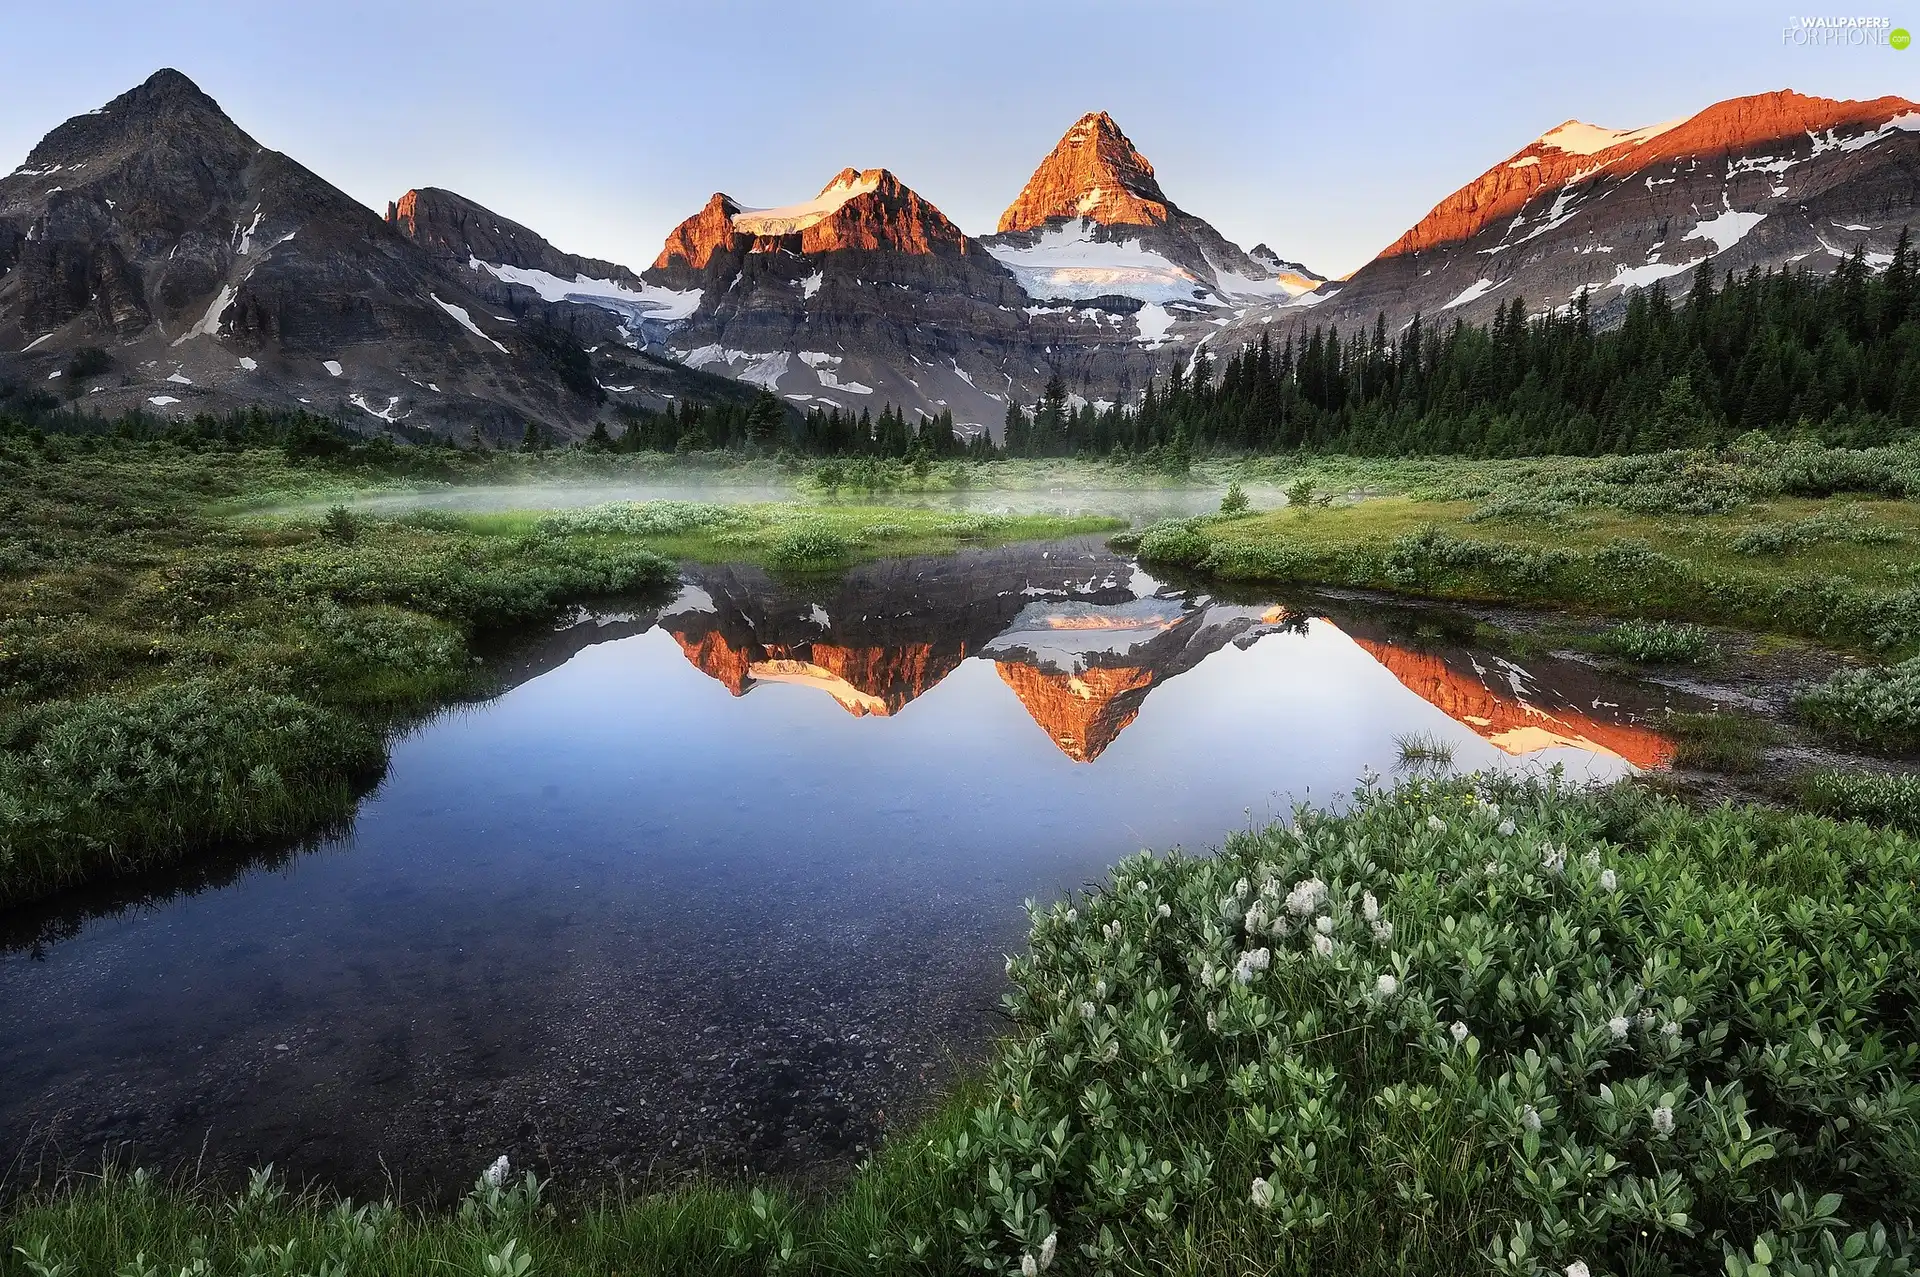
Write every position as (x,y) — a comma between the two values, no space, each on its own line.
(1538,1028)
(1651,566)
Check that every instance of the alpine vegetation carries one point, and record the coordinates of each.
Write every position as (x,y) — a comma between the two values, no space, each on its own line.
(1878,708)
(1466,1028)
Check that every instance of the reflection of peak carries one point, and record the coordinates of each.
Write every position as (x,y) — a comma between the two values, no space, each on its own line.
(713,656)
(1084,712)
(1083,671)
(1509,724)
(878,680)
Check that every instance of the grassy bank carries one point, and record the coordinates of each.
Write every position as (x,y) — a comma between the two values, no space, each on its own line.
(777,535)
(1807,541)
(174,673)
(1459,1028)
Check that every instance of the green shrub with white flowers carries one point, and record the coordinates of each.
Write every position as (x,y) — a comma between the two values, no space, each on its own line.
(1466,1027)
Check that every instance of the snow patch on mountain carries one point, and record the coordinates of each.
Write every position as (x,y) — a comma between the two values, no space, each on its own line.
(209,323)
(1578,138)
(790,219)
(1155,321)
(460,316)
(1067,261)
(387,414)
(649,301)
(1472,292)
(1727,229)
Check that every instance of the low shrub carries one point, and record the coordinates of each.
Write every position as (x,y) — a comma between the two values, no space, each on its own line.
(1504,1030)
(129,779)
(1178,542)
(1873,797)
(1876,708)
(1659,643)
(642,519)
(810,544)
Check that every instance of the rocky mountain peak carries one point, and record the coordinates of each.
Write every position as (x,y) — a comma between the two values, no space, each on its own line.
(1575,150)
(1093,172)
(866,209)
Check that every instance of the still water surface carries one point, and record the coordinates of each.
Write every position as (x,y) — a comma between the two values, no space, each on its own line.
(726,879)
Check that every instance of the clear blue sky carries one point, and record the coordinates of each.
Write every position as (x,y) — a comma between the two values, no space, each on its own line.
(1322,129)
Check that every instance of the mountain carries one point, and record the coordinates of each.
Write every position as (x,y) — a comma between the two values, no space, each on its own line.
(1774,180)
(217,274)
(1093,222)
(868,294)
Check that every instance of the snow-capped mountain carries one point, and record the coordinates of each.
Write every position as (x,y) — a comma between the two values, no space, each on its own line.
(1092,223)
(867,294)
(216,274)
(1770,181)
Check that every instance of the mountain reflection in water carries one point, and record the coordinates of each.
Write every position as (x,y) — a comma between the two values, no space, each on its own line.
(1082,639)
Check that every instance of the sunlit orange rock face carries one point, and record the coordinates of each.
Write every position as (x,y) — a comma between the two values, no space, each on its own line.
(869,209)
(864,680)
(695,241)
(715,657)
(1734,127)
(1092,172)
(1509,724)
(1085,712)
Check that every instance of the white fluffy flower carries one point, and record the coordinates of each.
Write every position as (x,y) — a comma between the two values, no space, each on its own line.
(1386,986)
(1553,859)
(1592,858)
(1459,1032)
(1618,1026)
(1251,963)
(1671,1028)
(1112,930)
(1663,1120)
(496,1174)
(1383,931)
(1256,918)
(1324,924)
(1029,1266)
(1506,828)
(1530,1118)
(1088,1010)
(1609,881)
(1577,1269)
(1323,945)
(1047,1248)
(1306,897)
(1242,887)
(1262,1193)
(1436,824)
(1073,916)
(1165,910)
(1369,907)
(1493,869)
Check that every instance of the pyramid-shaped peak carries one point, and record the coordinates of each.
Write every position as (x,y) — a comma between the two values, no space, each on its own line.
(165,89)
(1093,172)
